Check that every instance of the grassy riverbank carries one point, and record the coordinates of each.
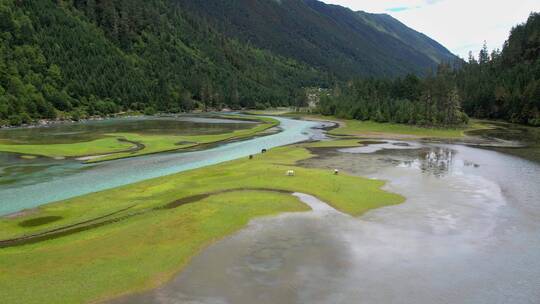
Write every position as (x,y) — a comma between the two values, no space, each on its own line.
(149,242)
(375,129)
(121,145)
(351,127)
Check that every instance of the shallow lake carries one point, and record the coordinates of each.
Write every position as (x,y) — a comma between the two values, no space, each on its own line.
(31,183)
(86,131)
(469,232)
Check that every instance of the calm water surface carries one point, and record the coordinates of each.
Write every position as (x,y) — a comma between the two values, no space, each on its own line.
(30,183)
(79,132)
(469,232)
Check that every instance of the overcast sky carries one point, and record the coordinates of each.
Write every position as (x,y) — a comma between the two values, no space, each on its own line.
(460,25)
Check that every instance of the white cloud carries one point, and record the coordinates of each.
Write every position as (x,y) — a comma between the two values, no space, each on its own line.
(460,25)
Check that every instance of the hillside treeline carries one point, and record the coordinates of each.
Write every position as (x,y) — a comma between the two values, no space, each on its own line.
(430,101)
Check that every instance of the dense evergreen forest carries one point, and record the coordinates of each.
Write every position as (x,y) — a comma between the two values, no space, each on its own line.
(95,57)
(430,101)
(501,85)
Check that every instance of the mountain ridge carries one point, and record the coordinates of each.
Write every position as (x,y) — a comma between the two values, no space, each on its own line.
(330,37)
(444,54)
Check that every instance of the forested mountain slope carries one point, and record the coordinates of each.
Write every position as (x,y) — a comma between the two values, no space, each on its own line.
(85,57)
(103,56)
(422,43)
(330,37)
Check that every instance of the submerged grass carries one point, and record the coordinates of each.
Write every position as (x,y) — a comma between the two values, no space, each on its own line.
(38,221)
(146,250)
(344,143)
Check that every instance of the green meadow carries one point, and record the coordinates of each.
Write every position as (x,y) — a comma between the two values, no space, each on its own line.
(371,128)
(353,127)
